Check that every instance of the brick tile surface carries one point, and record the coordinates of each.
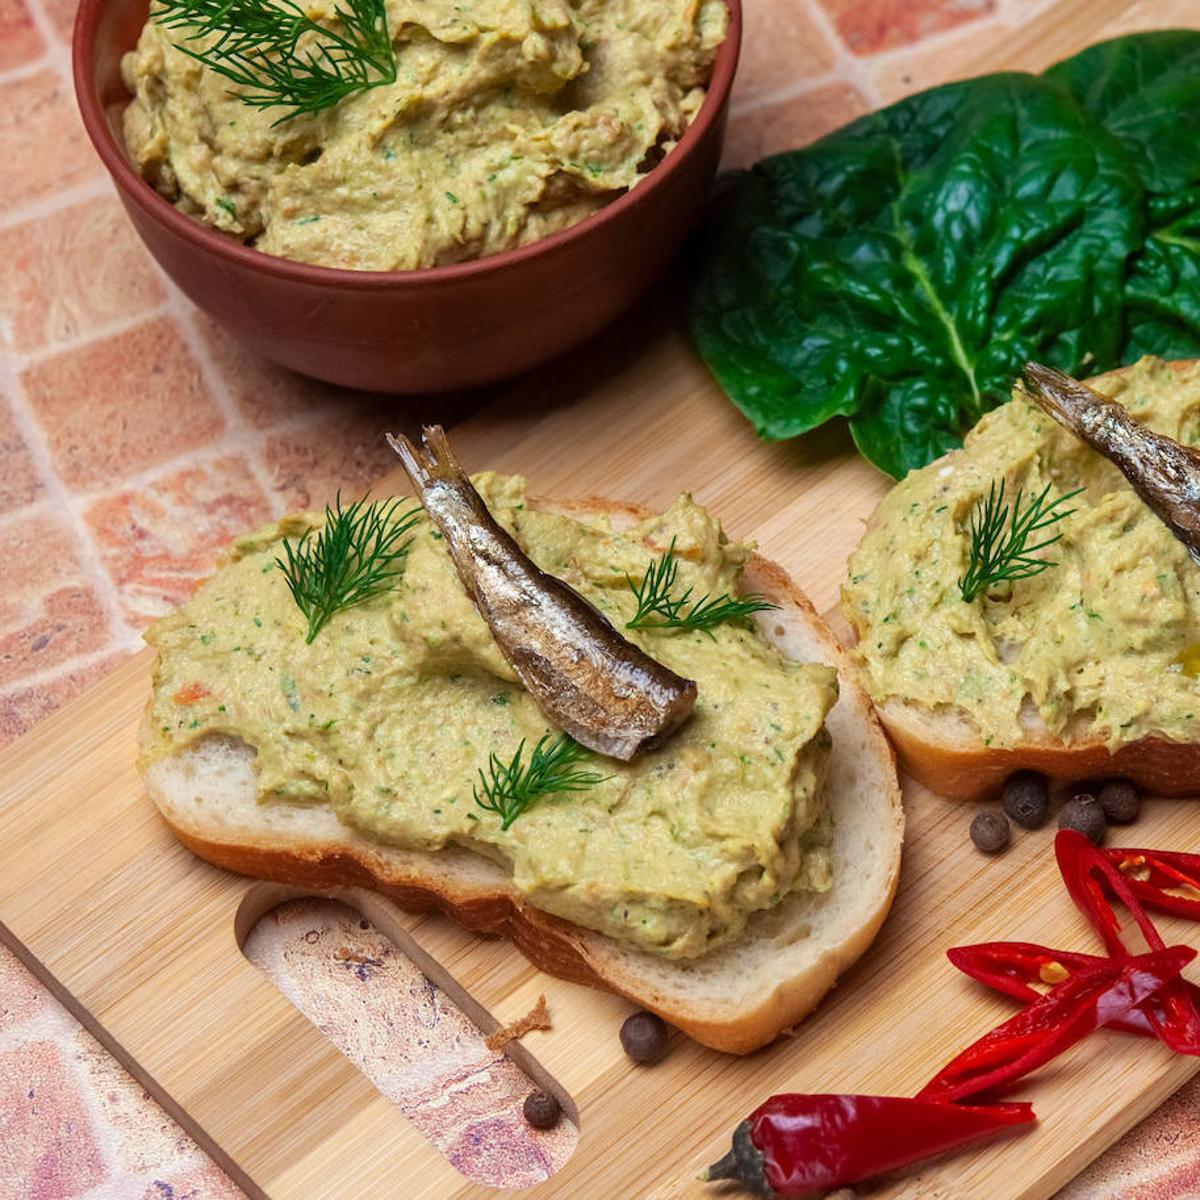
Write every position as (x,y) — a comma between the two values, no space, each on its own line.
(158,539)
(22,707)
(49,1148)
(963,52)
(40,131)
(49,611)
(141,1136)
(869,26)
(200,1181)
(346,450)
(792,122)
(781,47)
(20,480)
(21,996)
(20,41)
(114,407)
(68,274)
(62,16)
(265,394)
(144,464)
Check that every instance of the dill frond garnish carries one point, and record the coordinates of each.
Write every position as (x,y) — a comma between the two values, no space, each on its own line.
(259,47)
(509,788)
(1000,548)
(659,609)
(356,555)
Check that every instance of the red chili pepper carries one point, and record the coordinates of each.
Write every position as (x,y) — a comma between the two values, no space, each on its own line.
(1151,873)
(1010,967)
(1088,873)
(797,1144)
(1090,997)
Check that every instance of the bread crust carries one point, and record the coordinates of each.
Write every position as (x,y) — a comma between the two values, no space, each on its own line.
(961,768)
(555,945)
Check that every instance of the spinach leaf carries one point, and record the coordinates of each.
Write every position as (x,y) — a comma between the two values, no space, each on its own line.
(1145,90)
(1163,290)
(902,270)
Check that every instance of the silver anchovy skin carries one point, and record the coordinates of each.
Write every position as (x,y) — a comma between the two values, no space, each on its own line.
(1164,473)
(586,678)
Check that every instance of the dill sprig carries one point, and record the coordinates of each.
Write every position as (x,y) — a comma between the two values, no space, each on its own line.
(258,47)
(1000,548)
(356,555)
(509,788)
(659,609)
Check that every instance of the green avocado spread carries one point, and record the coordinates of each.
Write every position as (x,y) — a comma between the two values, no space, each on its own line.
(389,714)
(1106,643)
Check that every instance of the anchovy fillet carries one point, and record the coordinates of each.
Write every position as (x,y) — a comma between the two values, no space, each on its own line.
(587,679)
(1164,473)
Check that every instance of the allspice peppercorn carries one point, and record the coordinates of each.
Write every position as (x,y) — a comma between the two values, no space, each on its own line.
(542,1110)
(1120,802)
(644,1036)
(1027,798)
(1084,814)
(990,831)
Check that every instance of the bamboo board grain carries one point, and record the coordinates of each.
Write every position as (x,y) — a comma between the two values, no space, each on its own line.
(142,935)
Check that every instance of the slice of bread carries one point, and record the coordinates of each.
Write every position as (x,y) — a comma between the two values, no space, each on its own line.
(735,999)
(946,753)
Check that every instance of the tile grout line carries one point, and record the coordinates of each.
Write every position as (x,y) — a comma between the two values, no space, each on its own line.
(52,675)
(46,27)
(46,61)
(54,203)
(790,91)
(847,66)
(39,451)
(236,426)
(100,333)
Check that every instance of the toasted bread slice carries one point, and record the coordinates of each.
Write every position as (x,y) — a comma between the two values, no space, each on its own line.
(946,753)
(736,998)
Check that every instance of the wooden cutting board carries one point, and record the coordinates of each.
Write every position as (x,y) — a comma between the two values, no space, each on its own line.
(142,938)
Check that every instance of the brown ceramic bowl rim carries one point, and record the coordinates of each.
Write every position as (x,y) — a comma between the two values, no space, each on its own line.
(135,188)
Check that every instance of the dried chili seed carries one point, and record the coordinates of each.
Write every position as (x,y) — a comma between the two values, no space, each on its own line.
(1120,802)
(990,832)
(644,1036)
(1084,814)
(542,1110)
(1027,799)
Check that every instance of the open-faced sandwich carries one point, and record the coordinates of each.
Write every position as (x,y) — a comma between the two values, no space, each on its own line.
(1033,599)
(619,739)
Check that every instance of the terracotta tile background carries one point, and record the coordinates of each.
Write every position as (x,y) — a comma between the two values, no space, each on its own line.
(135,438)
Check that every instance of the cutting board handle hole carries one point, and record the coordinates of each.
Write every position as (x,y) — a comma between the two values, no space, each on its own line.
(345,961)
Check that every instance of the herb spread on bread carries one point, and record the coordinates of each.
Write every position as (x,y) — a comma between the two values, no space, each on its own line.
(389,713)
(1094,649)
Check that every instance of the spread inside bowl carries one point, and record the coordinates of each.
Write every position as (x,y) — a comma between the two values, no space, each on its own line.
(507,120)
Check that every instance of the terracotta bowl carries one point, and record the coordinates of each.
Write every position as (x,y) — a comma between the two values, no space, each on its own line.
(409,331)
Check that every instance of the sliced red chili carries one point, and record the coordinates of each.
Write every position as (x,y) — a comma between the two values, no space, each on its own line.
(800,1144)
(1089,874)
(1157,877)
(1012,967)
(1091,996)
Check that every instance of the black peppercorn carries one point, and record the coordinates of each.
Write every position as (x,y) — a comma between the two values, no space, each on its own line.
(1120,802)
(1027,799)
(644,1036)
(990,832)
(1083,813)
(542,1110)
